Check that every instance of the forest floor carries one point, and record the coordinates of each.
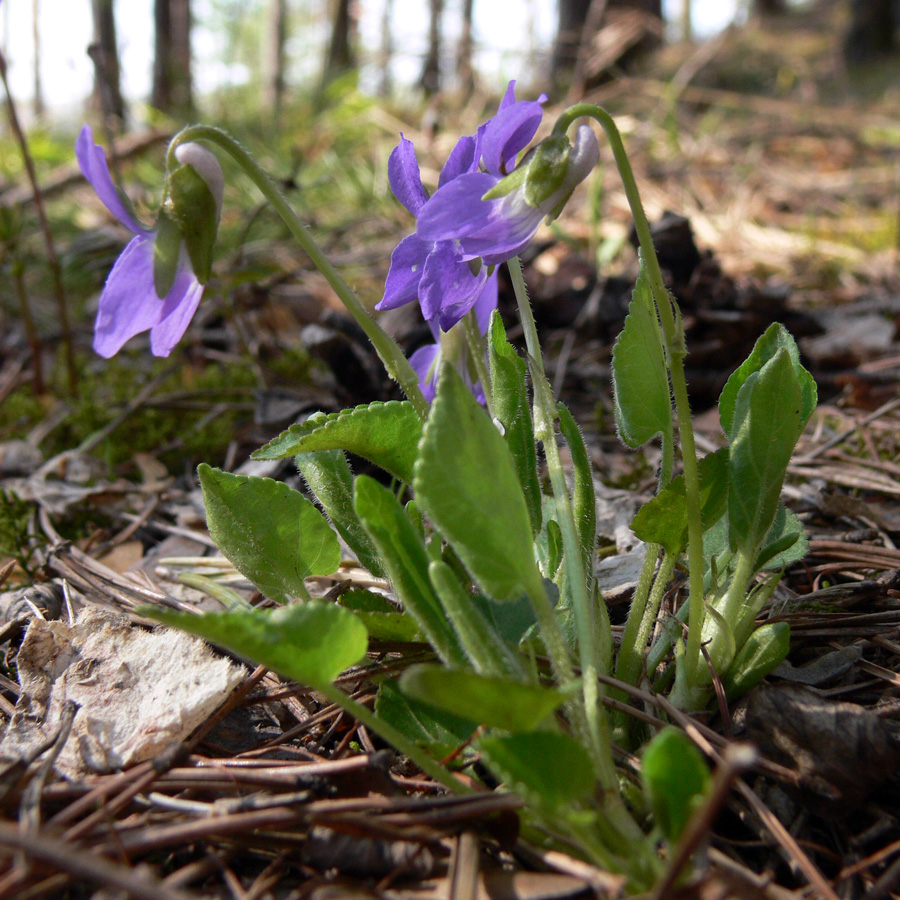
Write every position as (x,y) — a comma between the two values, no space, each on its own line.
(781,172)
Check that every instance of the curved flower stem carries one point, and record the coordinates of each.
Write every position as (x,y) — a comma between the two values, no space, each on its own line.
(588,647)
(391,355)
(673,342)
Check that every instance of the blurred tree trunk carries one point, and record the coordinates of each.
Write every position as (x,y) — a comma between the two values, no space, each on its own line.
(687,28)
(430,82)
(769,7)
(872,30)
(341,56)
(579,20)
(273,55)
(387,48)
(36,37)
(104,53)
(172,89)
(464,57)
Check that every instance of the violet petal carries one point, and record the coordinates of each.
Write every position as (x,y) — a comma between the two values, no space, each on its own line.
(176,313)
(422,362)
(407,264)
(128,304)
(404,177)
(457,209)
(92,160)
(448,289)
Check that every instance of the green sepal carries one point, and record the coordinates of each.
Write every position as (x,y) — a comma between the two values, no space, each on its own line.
(547,168)
(191,204)
(166,254)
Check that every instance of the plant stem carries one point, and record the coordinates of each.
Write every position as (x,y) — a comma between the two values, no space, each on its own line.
(478,355)
(673,342)
(588,648)
(391,355)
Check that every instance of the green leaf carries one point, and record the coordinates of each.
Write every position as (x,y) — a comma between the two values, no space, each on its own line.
(498,702)
(584,502)
(676,780)
(381,618)
(272,534)
(643,404)
(386,434)
(310,642)
(547,768)
(664,519)
(767,422)
(485,649)
(328,476)
(786,542)
(465,481)
(438,731)
(775,338)
(513,411)
(406,561)
(762,652)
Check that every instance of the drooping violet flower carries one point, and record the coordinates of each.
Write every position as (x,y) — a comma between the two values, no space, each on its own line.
(498,228)
(129,303)
(437,272)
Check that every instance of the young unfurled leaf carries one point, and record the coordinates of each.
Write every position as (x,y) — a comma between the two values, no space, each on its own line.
(548,768)
(676,780)
(765,649)
(497,702)
(466,482)
(272,534)
(384,433)
(643,402)
(664,519)
(309,642)
(328,476)
(785,543)
(511,407)
(775,338)
(768,419)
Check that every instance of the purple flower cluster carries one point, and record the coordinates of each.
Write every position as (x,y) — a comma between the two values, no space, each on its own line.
(447,264)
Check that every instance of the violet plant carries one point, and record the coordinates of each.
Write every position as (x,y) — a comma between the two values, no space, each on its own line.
(494,573)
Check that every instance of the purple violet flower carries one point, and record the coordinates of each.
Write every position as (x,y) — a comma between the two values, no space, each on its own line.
(497,229)
(129,303)
(436,270)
